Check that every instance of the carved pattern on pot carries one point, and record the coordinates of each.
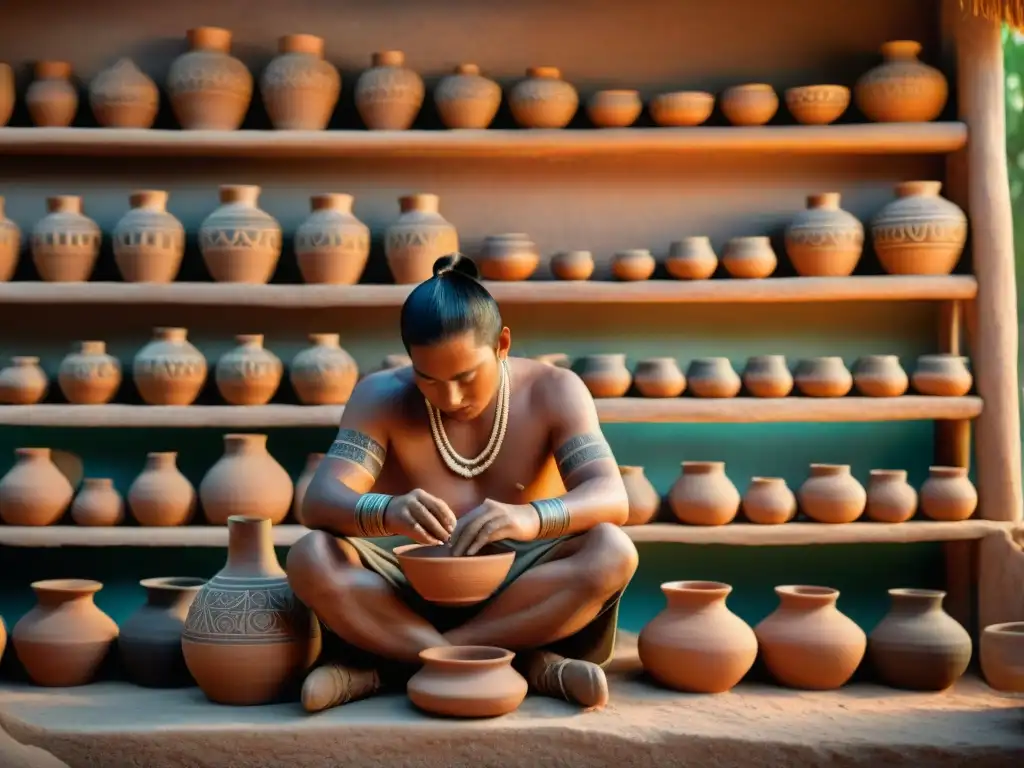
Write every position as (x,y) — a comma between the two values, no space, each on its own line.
(235,609)
(169,370)
(65,243)
(209,88)
(817,104)
(123,96)
(467,99)
(248,374)
(149,242)
(323,374)
(389,95)
(902,88)
(299,88)
(543,99)
(89,376)
(419,237)
(332,245)
(920,232)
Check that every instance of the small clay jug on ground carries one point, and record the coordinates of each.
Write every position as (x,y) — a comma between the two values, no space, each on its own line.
(169,370)
(880,376)
(149,242)
(150,640)
(249,374)
(1002,656)
(543,99)
(659,377)
(467,681)
(824,240)
(240,243)
(123,96)
(823,377)
(572,265)
(807,643)
(299,89)
(23,382)
(832,495)
(749,104)
(605,375)
(418,238)
(510,256)
(98,503)
(712,377)
(942,376)
(209,88)
(902,89)
(10,244)
(161,495)
(768,501)
(704,495)
(246,480)
(633,264)
(302,484)
(614,108)
(467,99)
(696,643)
(65,638)
(749,258)
(918,645)
(677,109)
(247,639)
(919,233)
(891,499)
(389,94)
(34,491)
(767,376)
(948,494)
(691,258)
(644,500)
(51,99)
(65,243)
(323,374)
(332,246)
(89,376)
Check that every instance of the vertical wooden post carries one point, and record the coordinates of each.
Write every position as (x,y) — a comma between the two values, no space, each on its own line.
(952,438)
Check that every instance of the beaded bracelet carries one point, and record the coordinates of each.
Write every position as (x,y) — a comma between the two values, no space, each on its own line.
(554,517)
(370,514)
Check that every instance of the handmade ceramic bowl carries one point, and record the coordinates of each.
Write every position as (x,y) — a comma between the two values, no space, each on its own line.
(440,578)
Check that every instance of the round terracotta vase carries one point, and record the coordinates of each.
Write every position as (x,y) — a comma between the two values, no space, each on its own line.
(750,258)
(807,643)
(98,503)
(323,374)
(891,499)
(644,499)
(123,96)
(1002,656)
(633,264)
(948,494)
(918,645)
(65,638)
(51,99)
(919,233)
(768,501)
(880,376)
(246,480)
(512,257)
(161,495)
(302,484)
(247,639)
(150,641)
(823,377)
(332,245)
(210,90)
(34,491)
(614,108)
(678,109)
(10,244)
(389,95)
(901,89)
(249,374)
(572,265)
(23,382)
(240,243)
(299,89)
(418,238)
(468,681)
(817,104)
(691,258)
(65,243)
(832,495)
(712,377)
(749,104)
(942,376)
(605,375)
(704,495)
(824,240)
(767,376)
(149,242)
(467,99)
(169,370)
(659,377)
(89,376)
(696,644)
(543,99)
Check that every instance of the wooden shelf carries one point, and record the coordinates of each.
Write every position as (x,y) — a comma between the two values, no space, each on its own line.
(861,139)
(780,289)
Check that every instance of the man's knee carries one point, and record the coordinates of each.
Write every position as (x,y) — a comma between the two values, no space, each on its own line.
(309,561)
(611,558)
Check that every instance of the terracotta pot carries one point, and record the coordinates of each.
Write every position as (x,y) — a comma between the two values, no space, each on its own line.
(633,264)
(467,681)
(948,494)
(34,491)
(10,243)
(249,374)
(644,500)
(942,376)
(901,89)
(65,638)
(8,93)
(572,265)
(98,503)
(918,645)
(1002,656)
(919,233)
(418,238)
(510,257)
(768,501)
(817,104)
(23,382)
(247,639)
(299,89)
(807,643)
(51,99)
(543,99)
(332,245)
(659,377)
(767,376)
(150,640)
(605,375)
(445,580)
(389,95)
(696,644)
(240,243)
(712,377)
(149,242)
(246,480)
(467,99)
(704,495)
(323,374)
(302,484)
(890,498)
(123,96)
(614,109)
(824,240)
(210,90)
(681,108)
(161,495)
(749,258)
(557,359)
(749,104)
(880,376)
(89,376)
(65,243)
(832,495)
(691,258)
(823,377)
(169,370)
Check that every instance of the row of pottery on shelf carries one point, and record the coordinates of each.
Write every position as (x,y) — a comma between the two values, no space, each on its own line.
(211,90)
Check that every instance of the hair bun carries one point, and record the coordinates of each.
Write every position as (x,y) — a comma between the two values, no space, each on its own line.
(456,264)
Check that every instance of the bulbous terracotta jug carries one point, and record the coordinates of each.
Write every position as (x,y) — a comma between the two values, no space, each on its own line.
(510,256)
(150,640)
(942,376)
(51,99)
(10,240)
(823,377)
(749,258)
(23,382)
(891,499)
(89,376)
(1002,656)
(299,88)
(389,94)
(767,376)
(302,484)
(65,242)
(704,495)
(633,264)
(149,242)
(161,495)
(768,501)
(824,240)
(249,374)
(605,375)
(169,370)
(332,246)
(323,374)
(880,376)
(691,258)
(34,491)
(123,96)
(659,377)
(712,377)
(467,99)
(832,495)
(644,500)
(543,99)
(240,242)
(467,681)
(919,233)
(948,494)
(902,89)
(749,104)
(246,480)
(418,238)
(210,89)
(572,265)
(98,503)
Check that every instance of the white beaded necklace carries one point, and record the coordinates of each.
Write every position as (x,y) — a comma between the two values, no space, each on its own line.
(460,465)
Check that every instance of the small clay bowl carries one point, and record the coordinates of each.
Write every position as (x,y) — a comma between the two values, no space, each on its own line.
(445,580)
(681,108)
(614,109)
(749,104)
(817,104)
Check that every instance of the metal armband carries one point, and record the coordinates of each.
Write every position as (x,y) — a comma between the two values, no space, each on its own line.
(370,514)
(554,518)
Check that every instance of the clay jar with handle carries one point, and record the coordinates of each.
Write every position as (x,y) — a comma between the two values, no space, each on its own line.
(246,480)
(10,244)
(149,242)
(467,99)
(644,500)
(704,495)
(1002,656)
(918,645)
(696,643)
(832,495)
(89,376)
(901,89)
(51,99)
(299,88)
(942,376)
(948,494)
(210,89)
(712,377)
(34,491)
(98,503)
(23,382)
(169,370)
(467,681)
(123,96)
(767,376)
(880,376)
(418,238)
(332,245)
(824,240)
(65,242)
(749,104)
(633,264)
(572,265)
(240,243)
(823,377)
(161,495)
(543,99)
(323,374)
(150,640)
(605,375)
(510,256)
(65,638)
(659,377)
(247,639)
(768,501)
(691,258)
(919,233)
(389,94)
(750,258)
(302,484)
(891,499)
(248,374)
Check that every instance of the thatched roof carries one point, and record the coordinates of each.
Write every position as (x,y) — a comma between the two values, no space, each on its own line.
(1010,11)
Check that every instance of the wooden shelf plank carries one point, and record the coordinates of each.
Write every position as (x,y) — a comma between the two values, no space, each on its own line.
(780,289)
(861,139)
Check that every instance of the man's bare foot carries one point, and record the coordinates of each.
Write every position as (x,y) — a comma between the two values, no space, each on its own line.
(575,681)
(333,684)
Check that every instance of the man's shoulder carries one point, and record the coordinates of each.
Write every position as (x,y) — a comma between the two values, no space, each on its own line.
(553,388)
(383,390)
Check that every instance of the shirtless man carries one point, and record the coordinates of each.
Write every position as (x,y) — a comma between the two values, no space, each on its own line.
(470,448)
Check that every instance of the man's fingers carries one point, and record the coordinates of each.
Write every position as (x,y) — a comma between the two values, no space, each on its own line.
(426,520)
(440,509)
(490,532)
(467,536)
(419,535)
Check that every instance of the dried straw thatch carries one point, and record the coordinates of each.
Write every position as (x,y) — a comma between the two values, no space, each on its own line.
(1010,11)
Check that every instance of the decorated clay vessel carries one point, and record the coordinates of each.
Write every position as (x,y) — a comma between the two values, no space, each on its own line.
(605,375)
(902,89)
(890,498)
(299,88)
(23,382)
(10,243)
(51,99)
(543,99)
(712,377)
(332,245)
(169,370)
(659,377)
(880,376)
(768,501)
(767,376)
(644,500)
(149,242)
(467,99)
(469,681)
(831,494)
(691,258)
(89,376)
(249,374)
(704,495)
(389,94)
(572,265)
(942,376)
(418,238)
(633,264)
(948,494)
(749,257)
(512,256)
(246,480)
(240,243)
(210,89)
(98,503)
(34,491)
(302,484)
(161,495)
(824,240)
(614,108)
(65,242)
(124,96)
(678,109)
(919,233)
(817,104)
(749,104)
(1002,656)
(823,377)
(324,373)
(150,639)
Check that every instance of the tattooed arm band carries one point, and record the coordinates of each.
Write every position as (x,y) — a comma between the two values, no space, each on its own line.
(581,450)
(359,449)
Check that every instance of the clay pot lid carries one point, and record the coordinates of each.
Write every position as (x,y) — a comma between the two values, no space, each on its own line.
(1006,628)
(467,655)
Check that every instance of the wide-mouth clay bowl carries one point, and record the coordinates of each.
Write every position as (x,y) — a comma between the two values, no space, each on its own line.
(440,578)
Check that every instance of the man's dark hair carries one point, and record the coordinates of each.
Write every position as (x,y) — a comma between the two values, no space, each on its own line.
(450,303)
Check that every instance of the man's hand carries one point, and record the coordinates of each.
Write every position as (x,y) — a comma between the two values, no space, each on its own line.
(423,518)
(493,521)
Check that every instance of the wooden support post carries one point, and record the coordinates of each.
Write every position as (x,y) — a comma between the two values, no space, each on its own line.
(952,438)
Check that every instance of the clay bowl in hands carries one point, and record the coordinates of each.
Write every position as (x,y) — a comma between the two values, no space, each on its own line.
(445,580)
